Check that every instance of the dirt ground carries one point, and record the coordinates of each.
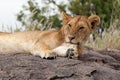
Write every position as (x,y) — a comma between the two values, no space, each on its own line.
(93,65)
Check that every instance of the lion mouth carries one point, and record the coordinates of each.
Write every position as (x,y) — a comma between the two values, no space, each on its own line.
(77,43)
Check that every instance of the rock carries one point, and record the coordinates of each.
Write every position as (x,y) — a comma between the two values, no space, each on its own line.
(93,65)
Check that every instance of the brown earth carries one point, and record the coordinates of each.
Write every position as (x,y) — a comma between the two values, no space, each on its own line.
(93,65)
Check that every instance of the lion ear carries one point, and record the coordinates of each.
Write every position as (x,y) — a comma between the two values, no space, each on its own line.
(94,20)
(65,17)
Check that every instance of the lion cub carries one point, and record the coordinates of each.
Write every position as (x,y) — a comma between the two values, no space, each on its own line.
(51,43)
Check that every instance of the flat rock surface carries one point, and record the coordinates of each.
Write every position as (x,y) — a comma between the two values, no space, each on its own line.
(93,65)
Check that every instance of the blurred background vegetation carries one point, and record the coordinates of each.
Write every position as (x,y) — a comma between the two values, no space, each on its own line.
(34,17)
(108,10)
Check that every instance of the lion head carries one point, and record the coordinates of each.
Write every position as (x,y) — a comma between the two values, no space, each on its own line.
(78,28)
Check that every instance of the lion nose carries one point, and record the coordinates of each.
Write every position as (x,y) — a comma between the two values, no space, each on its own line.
(71,37)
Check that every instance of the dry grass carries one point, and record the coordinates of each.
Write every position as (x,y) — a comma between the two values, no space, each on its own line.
(111,40)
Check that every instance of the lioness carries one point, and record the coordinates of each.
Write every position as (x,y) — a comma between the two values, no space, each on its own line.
(47,44)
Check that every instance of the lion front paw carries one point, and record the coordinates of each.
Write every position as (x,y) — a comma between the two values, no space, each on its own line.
(48,54)
(71,53)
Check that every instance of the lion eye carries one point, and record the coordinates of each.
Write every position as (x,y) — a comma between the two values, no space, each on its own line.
(69,25)
(81,28)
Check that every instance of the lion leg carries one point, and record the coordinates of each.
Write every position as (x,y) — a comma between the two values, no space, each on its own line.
(80,50)
(61,51)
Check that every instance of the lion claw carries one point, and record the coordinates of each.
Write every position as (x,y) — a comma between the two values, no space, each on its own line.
(51,58)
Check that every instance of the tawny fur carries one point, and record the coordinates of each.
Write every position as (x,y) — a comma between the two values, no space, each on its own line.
(51,43)
(3,33)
